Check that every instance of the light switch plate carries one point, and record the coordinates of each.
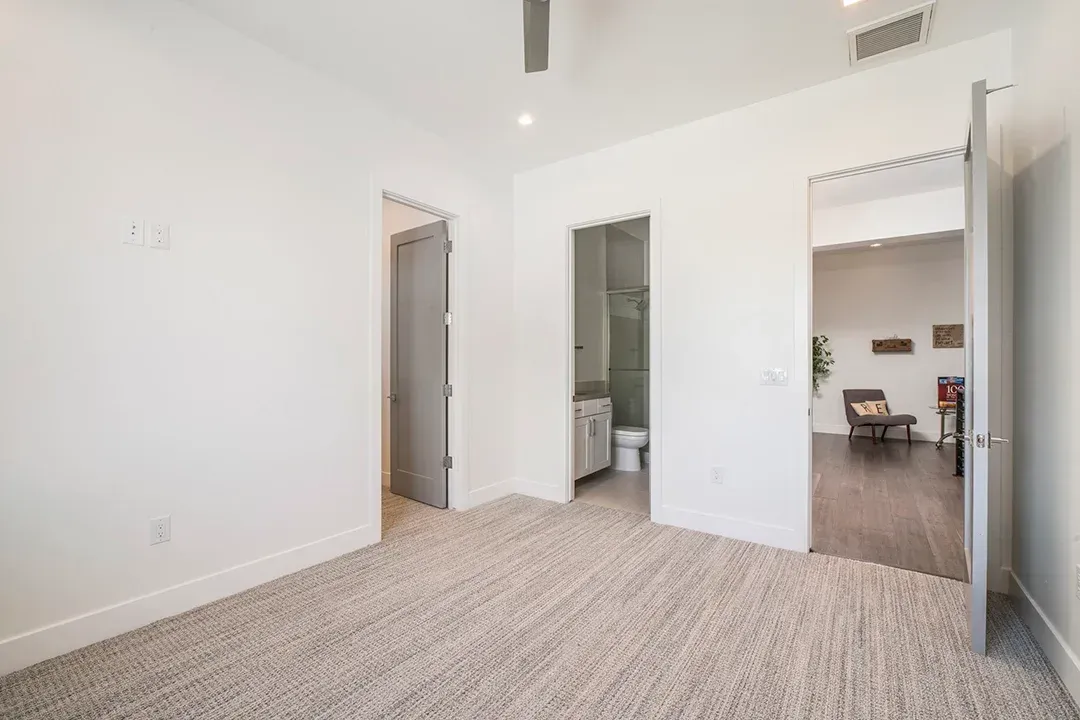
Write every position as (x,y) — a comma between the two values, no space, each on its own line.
(133,232)
(716,477)
(774,376)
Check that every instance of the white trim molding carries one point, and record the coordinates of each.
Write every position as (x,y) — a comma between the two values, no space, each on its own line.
(553,493)
(732,527)
(50,641)
(900,433)
(1049,637)
(490,492)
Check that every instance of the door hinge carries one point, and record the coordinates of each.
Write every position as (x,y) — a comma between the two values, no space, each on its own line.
(448,390)
(447,318)
(448,462)
(448,246)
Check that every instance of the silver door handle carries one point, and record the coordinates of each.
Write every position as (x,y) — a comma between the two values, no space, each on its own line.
(592,427)
(983,441)
(392,397)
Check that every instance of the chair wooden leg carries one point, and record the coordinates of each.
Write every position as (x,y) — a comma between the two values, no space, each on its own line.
(884,429)
(852,432)
(908,434)
(873,433)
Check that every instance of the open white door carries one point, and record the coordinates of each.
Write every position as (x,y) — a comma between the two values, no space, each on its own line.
(982,253)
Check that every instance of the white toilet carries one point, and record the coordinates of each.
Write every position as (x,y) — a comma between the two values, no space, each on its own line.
(627,442)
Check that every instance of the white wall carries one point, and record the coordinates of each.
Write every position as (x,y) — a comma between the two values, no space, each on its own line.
(396,218)
(907,215)
(627,256)
(733,244)
(1046,548)
(904,291)
(590,282)
(231,381)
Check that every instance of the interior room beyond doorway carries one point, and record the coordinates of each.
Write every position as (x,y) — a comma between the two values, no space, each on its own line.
(888,328)
(611,365)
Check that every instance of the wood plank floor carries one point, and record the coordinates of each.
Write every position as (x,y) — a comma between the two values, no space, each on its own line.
(890,503)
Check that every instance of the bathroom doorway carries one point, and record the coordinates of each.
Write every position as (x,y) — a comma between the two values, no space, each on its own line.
(611,367)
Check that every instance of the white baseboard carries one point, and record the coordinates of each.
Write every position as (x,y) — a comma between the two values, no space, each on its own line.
(35,646)
(554,493)
(1000,582)
(736,528)
(386,479)
(894,433)
(491,492)
(1053,643)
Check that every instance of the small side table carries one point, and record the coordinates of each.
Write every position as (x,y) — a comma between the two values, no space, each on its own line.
(942,412)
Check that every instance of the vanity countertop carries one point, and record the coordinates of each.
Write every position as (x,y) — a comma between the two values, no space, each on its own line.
(595,395)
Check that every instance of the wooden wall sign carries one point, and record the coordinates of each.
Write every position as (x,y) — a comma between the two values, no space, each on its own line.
(948,336)
(892,345)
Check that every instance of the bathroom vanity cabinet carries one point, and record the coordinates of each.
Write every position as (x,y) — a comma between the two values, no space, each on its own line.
(592,436)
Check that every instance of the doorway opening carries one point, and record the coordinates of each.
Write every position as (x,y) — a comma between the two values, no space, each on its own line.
(888,324)
(417,342)
(611,314)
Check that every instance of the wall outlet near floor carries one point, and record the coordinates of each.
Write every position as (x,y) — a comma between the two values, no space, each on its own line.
(160,529)
(716,477)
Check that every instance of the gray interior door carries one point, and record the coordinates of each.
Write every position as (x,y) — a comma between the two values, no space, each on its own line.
(418,341)
(983,342)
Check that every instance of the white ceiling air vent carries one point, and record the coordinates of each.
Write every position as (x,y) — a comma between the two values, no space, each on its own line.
(902,30)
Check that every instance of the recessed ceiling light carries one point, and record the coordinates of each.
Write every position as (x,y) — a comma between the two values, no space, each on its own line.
(525,119)
(851,2)
(876,245)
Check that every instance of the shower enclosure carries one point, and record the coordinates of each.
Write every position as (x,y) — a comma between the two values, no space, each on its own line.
(628,355)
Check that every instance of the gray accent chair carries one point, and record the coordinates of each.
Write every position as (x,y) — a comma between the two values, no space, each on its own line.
(874,421)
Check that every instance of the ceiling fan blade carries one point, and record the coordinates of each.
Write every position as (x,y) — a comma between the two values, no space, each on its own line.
(537,25)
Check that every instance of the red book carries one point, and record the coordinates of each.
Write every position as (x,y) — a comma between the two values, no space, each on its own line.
(947,390)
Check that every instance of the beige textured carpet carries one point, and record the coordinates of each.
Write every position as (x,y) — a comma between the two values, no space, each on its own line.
(525,609)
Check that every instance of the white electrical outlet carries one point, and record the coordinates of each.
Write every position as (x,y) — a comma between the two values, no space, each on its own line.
(133,232)
(159,236)
(160,529)
(716,477)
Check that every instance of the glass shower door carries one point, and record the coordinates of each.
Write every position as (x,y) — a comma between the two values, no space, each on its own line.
(628,356)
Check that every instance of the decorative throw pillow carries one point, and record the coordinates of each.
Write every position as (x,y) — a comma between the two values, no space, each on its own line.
(880,407)
(864,408)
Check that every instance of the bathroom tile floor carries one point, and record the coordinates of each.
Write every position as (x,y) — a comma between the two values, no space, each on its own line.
(616,489)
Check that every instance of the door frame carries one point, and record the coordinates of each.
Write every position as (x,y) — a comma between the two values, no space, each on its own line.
(806,194)
(457,492)
(655,353)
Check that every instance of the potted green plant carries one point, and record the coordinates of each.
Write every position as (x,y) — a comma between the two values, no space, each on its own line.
(823,360)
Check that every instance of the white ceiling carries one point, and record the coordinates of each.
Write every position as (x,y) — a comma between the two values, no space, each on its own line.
(923,177)
(638,227)
(619,68)
(836,258)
